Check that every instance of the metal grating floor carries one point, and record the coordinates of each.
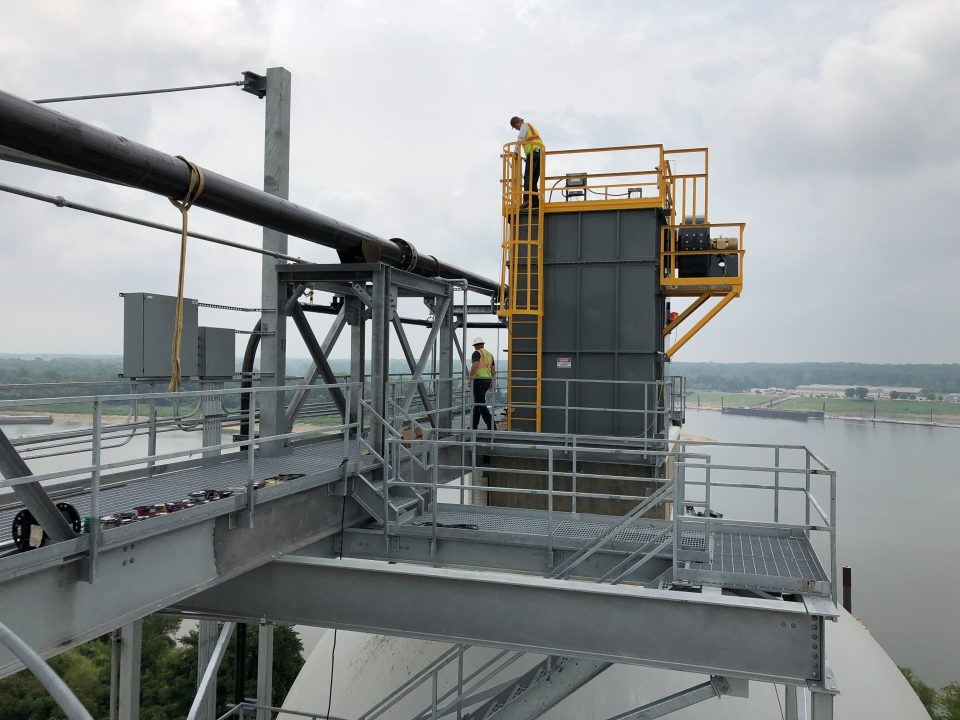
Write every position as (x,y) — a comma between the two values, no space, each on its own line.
(639,533)
(170,486)
(767,555)
(738,558)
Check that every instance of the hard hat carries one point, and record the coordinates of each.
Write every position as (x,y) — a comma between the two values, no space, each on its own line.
(515,119)
(478,340)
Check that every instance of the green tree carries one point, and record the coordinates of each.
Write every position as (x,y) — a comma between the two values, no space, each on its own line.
(168,674)
(948,702)
(927,695)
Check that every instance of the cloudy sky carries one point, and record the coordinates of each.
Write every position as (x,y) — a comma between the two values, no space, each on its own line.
(832,127)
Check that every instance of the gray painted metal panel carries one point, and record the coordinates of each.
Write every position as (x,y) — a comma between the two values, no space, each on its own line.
(603,311)
(148,322)
(217,352)
(754,639)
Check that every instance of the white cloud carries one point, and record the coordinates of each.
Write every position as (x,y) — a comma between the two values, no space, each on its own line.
(831,126)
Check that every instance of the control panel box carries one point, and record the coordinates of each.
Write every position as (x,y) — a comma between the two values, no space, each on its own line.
(217,356)
(148,322)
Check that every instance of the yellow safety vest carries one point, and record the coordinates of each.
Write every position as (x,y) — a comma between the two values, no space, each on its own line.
(484,364)
(531,141)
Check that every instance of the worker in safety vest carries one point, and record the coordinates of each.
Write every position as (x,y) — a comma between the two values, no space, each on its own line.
(482,370)
(532,146)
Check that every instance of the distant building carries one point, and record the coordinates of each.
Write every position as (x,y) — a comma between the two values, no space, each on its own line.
(873,391)
(951,397)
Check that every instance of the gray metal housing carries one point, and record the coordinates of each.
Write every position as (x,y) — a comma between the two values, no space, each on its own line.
(217,352)
(148,320)
(603,317)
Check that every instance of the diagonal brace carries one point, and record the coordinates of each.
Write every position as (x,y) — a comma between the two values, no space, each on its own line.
(425,355)
(411,363)
(313,374)
(715,687)
(319,358)
(638,511)
(32,495)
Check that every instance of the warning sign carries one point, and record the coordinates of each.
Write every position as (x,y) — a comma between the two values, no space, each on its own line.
(564,363)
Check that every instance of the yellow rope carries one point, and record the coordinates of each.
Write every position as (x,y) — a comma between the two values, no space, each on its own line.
(194,190)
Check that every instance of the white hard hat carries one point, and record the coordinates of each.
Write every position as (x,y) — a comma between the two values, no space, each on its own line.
(478,340)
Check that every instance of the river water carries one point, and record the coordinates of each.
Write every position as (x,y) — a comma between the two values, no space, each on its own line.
(898,501)
(898,504)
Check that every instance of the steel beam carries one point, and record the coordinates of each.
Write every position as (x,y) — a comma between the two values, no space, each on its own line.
(445,369)
(32,495)
(740,637)
(53,613)
(319,359)
(131,641)
(42,132)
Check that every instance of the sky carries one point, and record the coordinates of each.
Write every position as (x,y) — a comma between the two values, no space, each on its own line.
(832,130)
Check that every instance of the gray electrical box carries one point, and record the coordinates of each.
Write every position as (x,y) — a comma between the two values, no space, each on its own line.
(217,352)
(148,321)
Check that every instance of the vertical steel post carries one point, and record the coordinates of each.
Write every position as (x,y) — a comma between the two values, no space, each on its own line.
(240,665)
(550,508)
(433,497)
(95,493)
(212,419)
(251,453)
(276,181)
(806,495)
(573,477)
(129,695)
(445,377)
(790,702)
(776,484)
(380,352)
(114,673)
(207,633)
(264,671)
(152,431)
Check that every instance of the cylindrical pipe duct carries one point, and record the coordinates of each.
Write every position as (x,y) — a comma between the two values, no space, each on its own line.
(53,136)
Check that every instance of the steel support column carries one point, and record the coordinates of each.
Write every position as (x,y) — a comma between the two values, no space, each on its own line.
(445,369)
(206,641)
(131,637)
(276,181)
(209,676)
(264,671)
(356,316)
(383,308)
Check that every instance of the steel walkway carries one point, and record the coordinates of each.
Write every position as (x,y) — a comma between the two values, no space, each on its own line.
(747,557)
(177,484)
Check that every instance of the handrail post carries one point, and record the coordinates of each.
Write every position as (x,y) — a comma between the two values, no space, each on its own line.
(566,407)
(151,432)
(807,492)
(573,477)
(776,484)
(95,492)
(834,580)
(251,466)
(433,498)
(550,508)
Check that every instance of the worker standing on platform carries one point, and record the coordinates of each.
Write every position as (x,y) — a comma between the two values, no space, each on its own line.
(532,146)
(482,370)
